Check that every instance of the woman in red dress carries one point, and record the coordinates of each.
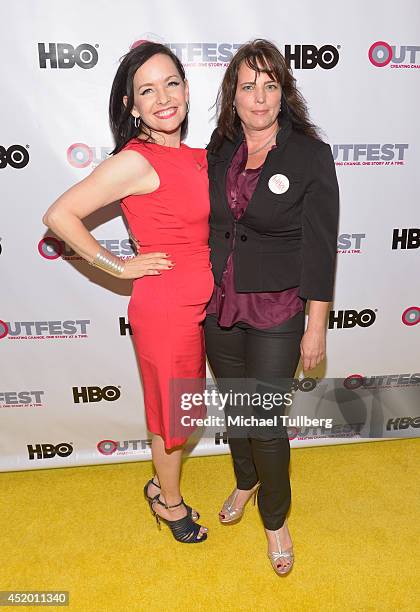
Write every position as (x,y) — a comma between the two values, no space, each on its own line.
(163,186)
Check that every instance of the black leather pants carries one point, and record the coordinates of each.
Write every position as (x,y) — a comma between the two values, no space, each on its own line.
(242,351)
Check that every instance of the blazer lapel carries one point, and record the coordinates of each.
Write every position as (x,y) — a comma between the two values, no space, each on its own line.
(281,140)
(222,159)
(221,162)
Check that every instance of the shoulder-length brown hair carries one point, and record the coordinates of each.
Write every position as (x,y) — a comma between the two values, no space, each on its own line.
(262,56)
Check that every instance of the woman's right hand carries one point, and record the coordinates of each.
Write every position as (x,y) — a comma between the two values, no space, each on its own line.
(149,264)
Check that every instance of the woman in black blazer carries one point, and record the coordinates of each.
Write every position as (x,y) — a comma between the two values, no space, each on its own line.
(273,238)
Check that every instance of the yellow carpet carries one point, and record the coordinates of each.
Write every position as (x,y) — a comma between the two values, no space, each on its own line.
(88,530)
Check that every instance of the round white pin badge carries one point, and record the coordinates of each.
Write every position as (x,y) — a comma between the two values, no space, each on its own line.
(278,183)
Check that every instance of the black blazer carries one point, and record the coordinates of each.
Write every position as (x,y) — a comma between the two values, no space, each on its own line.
(282,240)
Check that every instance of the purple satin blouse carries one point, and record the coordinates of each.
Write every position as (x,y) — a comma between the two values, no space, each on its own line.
(261,310)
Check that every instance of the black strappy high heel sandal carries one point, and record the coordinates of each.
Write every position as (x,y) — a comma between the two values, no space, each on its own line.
(184,530)
(194,514)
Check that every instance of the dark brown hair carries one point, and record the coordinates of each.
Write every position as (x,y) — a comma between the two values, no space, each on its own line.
(262,56)
(120,118)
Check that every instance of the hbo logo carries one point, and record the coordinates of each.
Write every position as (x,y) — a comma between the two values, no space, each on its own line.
(350,318)
(48,451)
(407,238)
(309,56)
(15,156)
(63,55)
(403,423)
(95,394)
(304,384)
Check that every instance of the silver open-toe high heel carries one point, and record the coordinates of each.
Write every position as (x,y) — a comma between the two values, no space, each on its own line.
(281,570)
(233,514)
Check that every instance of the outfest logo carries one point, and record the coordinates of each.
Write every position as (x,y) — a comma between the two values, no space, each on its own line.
(52,248)
(81,155)
(44,330)
(21,399)
(357,381)
(122,447)
(370,154)
(195,54)
(382,54)
(350,243)
(411,316)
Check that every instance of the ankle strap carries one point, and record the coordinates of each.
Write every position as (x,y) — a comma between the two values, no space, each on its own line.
(166,505)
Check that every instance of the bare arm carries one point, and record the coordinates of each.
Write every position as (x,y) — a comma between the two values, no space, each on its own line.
(115,178)
(317,320)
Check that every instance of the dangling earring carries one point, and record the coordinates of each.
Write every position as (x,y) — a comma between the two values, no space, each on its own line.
(283,103)
(188,107)
(234,108)
(137,122)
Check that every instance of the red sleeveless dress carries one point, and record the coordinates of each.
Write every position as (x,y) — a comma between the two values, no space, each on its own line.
(166,312)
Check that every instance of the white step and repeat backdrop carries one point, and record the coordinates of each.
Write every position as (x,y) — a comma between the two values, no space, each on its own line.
(70,392)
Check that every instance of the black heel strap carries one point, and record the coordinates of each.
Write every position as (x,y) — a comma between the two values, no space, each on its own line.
(166,505)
